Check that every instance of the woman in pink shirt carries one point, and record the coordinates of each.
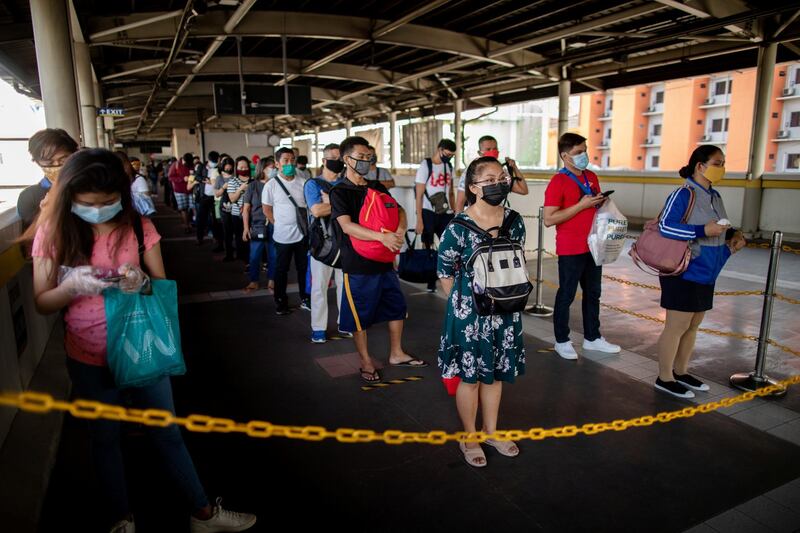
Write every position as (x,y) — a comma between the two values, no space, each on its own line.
(88,226)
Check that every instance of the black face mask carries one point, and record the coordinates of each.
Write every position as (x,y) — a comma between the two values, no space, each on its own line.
(334,165)
(445,158)
(495,194)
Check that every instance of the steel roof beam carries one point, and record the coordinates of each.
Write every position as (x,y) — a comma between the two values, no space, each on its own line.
(230,25)
(379,32)
(575,29)
(325,26)
(137,22)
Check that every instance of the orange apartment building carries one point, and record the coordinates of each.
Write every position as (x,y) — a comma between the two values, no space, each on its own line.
(656,126)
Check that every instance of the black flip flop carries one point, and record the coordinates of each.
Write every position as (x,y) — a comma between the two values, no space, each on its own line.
(410,365)
(375,375)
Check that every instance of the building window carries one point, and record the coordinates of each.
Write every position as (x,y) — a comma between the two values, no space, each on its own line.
(719,125)
(794,119)
(792,161)
(608,133)
(654,161)
(797,76)
(660,97)
(610,104)
(656,130)
(723,87)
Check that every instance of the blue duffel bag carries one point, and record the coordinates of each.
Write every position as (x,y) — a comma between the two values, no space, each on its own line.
(417,266)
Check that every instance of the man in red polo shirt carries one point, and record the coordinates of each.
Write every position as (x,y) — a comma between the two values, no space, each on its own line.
(570,203)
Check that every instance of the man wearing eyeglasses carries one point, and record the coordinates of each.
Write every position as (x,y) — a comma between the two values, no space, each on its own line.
(487,146)
(372,292)
(49,148)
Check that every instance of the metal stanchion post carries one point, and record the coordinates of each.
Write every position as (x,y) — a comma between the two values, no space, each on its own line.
(538,309)
(755,380)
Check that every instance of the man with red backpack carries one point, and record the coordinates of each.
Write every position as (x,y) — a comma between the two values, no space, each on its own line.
(364,214)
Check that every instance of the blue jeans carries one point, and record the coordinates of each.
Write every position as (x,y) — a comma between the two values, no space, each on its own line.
(257,253)
(96,383)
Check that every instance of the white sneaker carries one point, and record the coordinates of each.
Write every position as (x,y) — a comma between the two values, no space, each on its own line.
(600,345)
(565,350)
(124,526)
(223,520)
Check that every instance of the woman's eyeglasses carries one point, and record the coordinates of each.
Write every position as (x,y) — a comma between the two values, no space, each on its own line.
(492,180)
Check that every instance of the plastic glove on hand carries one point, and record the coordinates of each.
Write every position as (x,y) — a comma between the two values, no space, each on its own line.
(81,281)
(134,279)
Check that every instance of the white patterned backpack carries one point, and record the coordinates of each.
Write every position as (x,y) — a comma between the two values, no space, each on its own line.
(500,281)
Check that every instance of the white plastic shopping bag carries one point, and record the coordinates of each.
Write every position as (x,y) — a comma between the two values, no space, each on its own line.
(607,237)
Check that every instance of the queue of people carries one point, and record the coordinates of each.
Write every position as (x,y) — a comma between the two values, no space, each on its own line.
(279,214)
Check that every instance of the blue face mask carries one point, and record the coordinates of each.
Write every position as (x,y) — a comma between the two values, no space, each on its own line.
(288,170)
(580,161)
(97,215)
(272,172)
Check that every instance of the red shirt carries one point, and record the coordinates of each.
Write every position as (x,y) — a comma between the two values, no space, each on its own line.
(563,192)
(177,176)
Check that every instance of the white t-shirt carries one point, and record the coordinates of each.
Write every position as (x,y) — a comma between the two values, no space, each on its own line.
(140,185)
(286,230)
(213,174)
(440,181)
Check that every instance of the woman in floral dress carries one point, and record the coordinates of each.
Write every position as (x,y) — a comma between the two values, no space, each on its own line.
(483,351)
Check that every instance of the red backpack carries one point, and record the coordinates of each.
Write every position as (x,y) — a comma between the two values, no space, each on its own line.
(379,212)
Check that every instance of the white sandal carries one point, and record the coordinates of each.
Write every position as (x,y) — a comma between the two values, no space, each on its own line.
(504,447)
(471,455)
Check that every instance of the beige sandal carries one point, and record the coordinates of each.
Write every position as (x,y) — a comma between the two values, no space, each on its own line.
(506,447)
(471,455)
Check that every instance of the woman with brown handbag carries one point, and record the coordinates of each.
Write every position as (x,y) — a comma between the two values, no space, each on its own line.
(687,296)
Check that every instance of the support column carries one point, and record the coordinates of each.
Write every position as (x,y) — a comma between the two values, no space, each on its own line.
(563,109)
(751,208)
(458,159)
(393,147)
(83,72)
(348,125)
(52,39)
(99,125)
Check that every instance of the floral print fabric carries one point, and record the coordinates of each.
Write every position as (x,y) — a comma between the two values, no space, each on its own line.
(473,347)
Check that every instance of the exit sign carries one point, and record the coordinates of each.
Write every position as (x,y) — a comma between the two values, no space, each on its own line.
(111,112)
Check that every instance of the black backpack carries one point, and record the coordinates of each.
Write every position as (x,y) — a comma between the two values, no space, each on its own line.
(500,281)
(321,242)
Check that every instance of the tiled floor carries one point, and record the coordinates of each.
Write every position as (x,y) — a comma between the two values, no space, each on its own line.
(777,511)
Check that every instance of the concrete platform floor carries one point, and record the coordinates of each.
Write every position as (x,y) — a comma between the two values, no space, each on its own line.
(710,471)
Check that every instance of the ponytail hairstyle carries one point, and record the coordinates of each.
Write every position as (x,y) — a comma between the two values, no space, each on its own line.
(68,239)
(475,170)
(701,154)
